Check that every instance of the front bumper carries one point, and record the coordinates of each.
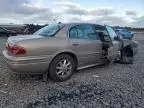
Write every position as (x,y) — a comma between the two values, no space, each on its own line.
(18,65)
(135,51)
(134,47)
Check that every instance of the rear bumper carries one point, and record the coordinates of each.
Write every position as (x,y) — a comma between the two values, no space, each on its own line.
(27,66)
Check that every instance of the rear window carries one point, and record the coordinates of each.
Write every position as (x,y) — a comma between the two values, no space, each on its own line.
(49,30)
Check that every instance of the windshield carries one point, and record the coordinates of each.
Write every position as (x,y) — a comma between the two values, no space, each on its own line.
(49,30)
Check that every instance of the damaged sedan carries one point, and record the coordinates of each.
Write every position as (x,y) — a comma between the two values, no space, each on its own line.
(58,50)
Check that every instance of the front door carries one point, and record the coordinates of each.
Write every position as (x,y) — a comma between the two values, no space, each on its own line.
(114,50)
(86,44)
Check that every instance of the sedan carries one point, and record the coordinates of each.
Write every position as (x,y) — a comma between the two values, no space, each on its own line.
(58,50)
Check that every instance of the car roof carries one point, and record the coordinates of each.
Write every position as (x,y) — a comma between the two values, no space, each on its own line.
(120,29)
(73,24)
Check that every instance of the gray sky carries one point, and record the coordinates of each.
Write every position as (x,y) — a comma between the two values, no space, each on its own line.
(112,12)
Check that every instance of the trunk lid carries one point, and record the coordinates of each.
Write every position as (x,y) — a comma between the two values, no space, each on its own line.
(15,39)
(15,47)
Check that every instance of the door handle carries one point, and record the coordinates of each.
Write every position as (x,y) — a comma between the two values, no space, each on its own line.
(75,44)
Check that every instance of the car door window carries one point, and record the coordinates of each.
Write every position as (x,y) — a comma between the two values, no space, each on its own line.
(73,33)
(112,33)
(80,33)
(84,32)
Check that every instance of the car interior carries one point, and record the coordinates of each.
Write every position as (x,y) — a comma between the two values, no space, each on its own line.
(105,39)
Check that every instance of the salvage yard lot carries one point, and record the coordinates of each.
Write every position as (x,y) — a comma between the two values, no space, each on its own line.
(114,86)
(2,43)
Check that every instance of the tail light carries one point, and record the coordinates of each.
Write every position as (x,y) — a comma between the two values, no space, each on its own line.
(17,50)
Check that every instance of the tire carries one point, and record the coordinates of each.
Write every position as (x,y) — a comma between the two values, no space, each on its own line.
(61,68)
(127,57)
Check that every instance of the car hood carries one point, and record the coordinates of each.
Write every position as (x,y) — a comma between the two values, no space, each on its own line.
(15,39)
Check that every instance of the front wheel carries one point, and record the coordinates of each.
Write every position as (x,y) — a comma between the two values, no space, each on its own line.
(62,67)
(127,57)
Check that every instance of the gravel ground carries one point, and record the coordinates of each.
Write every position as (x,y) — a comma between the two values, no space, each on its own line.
(115,86)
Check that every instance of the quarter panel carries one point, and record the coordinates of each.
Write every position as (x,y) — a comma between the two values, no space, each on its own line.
(44,46)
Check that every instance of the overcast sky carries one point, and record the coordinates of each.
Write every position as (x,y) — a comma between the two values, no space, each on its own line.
(112,12)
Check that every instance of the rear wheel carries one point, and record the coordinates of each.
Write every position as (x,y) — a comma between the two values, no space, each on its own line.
(62,67)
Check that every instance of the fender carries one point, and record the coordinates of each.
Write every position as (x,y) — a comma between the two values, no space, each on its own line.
(131,44)
(126,43)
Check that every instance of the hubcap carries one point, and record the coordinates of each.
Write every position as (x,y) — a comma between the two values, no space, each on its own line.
(63,67)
